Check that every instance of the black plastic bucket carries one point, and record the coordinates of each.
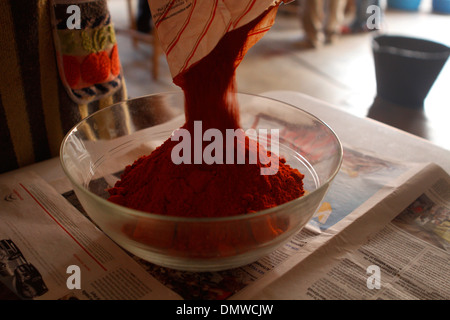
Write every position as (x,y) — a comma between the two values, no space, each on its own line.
(406,68)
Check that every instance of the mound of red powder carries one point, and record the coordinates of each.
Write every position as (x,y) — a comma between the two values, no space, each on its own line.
(155,184)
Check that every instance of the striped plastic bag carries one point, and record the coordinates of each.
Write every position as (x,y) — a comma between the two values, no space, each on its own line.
(189,29)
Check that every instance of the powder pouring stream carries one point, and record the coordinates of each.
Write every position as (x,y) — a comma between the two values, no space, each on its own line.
(156,184)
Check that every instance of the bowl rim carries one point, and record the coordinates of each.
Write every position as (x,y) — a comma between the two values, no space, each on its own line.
(125,211)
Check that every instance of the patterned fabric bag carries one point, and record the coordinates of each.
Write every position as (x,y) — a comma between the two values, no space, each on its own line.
(86,48)
(59,63)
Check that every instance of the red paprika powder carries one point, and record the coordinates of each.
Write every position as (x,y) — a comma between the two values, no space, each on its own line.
(155,184)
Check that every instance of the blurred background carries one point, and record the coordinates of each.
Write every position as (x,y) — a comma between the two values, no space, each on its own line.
(341,72)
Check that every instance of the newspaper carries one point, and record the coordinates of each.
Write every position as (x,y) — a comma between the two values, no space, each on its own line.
(45,228)
(408,258)
(48,250)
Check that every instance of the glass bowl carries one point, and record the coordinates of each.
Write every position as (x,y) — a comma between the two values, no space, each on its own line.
(96,151)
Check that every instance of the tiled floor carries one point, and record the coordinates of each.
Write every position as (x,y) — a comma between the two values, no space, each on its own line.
(342,74)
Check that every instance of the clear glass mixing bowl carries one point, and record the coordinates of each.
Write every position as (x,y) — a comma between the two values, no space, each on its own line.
(95,152)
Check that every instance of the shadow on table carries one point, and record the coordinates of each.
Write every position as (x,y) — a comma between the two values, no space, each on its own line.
(412,120)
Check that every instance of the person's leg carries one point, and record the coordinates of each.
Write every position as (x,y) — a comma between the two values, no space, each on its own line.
(360,15)
(336,15)
(312,20)
(143,17)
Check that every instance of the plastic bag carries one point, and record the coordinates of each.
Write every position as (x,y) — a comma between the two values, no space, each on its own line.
(189,29)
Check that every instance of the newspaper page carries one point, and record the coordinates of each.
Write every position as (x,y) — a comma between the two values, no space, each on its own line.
(363,181)
(407,259)
(373,182)
(49,251)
